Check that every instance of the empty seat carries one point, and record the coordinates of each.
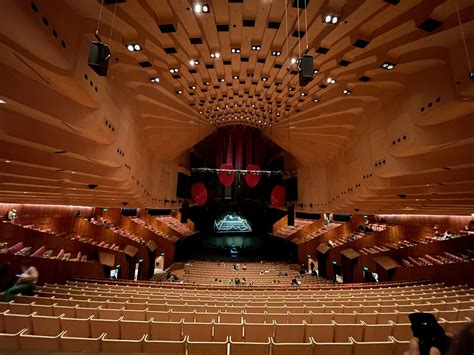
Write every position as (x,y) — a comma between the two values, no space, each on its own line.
(373,348)
(112,345)
(323,333)
(249,348)
(198,331)
(207,347)
(225,317)
(342,332)
(33,342)
(344,348)
(44,325)
(76,327)
(377,332)
(402,331)
(108,326)
(257,332)
(166,330)
(16,322)
(232,330)
(134,330)
(301,348)
(79,344)
(289,333)
(10,341)
(168,347)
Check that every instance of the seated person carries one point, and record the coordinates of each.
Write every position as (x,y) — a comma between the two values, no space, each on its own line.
(26,284)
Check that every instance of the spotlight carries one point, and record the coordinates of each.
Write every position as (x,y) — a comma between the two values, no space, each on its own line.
(303,94)
(330,80)
(235,50)
(255,47)
(192,87)
(346,92)
(205,8)
(179,92)
(276,53)
(315,71)
(198,8)
(207,83)
(264,78)
(221,80)
(331,19)
(2,102)
(215,55)
(315,100)
(193,62)
(294,60)
(235,77)
(174,70)
(387,65)
(133,47)
(155,80)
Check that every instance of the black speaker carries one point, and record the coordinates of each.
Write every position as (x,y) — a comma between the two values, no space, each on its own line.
(291,215)
(98,60)
(184,212)
(306,69)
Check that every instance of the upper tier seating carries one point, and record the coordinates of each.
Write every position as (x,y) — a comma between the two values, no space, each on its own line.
(126,316)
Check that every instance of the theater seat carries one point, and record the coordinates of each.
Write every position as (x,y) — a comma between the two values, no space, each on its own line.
(249,348)
(168,347)
(291,348)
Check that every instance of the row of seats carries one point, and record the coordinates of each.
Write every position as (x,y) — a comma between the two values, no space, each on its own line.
(34,332)
(231,316)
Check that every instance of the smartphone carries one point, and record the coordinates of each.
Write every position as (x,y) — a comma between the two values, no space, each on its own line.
(430,334)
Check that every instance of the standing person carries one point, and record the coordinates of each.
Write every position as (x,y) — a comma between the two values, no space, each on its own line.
(25,284)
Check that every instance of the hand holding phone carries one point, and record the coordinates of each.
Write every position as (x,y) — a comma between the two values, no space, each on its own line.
(429,333)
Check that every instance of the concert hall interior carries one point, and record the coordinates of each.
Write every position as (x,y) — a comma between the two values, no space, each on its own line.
(232,177)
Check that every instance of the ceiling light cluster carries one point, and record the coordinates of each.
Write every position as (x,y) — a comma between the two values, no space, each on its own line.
(276,53)
(174,70)
(2,102)
(215,55)
(332,19)
(294,60)
(155,80)
(133,47)
(346,92)
(387,65)
(193,62)
(256,47)
(204,8)
(235,50)
(330,80)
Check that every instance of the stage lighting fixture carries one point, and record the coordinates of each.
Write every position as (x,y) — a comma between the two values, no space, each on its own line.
(387,66)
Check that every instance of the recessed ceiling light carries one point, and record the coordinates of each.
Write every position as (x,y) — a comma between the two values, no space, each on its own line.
(387,65)
(207,83)
(7,161)
(174,70)
(215,55)
(179,92)
(133,47)
(264,78)
(303,94)
(235,77)
(2,102)
(235,50)
(155,80)
(315,71)
(256,47)
(276,53)
(193,62)
(316,100)
(331,19)
(192,87)
(205,8)
(198,8)
(346,92)
(330,80)
(293,60)
(221,80)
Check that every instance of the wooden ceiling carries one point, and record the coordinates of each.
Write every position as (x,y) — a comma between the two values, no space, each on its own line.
(396,119)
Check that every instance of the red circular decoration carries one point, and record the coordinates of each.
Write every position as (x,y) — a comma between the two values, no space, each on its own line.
(278,196)
(199,193)
(226,178)
(252,179)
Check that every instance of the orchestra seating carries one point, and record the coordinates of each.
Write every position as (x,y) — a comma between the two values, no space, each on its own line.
(168,318)
(268,273)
